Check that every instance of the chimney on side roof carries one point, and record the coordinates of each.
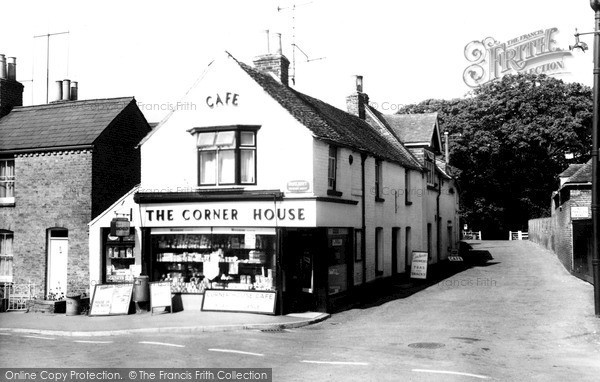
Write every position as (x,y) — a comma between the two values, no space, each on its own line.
(74,91)
(275,63)
(356,102)
(11,91)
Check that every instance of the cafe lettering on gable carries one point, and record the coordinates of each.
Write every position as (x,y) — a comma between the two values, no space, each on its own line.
(222,99)
(287,213)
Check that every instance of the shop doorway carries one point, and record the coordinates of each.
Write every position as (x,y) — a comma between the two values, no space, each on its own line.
(582,249)
(303,286)
(58,254)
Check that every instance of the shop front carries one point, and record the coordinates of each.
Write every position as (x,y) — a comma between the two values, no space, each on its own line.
(251,244)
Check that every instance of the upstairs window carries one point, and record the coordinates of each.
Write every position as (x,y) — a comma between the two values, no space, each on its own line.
(332,168)
(407,187)
(6,256)
(7,180)
(378,180)
(430,167)
(226,157)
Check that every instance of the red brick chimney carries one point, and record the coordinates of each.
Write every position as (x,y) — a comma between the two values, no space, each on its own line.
(356,102)
(275,63)
(11,91)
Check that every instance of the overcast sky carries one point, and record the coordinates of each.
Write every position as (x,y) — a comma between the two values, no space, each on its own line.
(407,50)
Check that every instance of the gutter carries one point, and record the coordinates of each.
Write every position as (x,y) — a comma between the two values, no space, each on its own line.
(47,149)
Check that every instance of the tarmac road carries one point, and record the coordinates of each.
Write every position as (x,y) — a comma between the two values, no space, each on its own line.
(521,317)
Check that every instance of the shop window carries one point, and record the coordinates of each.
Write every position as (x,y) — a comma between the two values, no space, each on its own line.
(6,256)
(358,239)
(338,247)
(379,251)
(215,258)
(7,180)
(226,157)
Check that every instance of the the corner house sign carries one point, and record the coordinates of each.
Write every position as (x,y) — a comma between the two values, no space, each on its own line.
(534,52)
(298,186)
(301,213)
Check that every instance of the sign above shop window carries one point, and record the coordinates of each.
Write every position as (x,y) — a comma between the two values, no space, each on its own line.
(119,227)
(290,213)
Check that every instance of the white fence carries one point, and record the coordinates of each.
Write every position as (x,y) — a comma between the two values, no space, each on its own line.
(471,235)
(518,235)
(17,295)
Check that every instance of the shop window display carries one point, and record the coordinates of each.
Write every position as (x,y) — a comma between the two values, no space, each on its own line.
(217,259)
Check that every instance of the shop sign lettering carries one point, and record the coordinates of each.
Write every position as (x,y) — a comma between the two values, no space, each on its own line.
(227,214)
(223,99)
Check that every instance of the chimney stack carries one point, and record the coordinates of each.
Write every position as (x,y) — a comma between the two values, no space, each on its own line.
(74,91)
(276,63)
(11,91)
(356,102)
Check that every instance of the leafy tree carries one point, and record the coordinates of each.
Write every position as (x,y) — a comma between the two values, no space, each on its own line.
(509,139)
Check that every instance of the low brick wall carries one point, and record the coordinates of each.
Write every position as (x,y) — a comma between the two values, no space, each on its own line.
(540,232)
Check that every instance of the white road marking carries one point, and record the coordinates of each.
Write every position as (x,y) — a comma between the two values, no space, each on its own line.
(40,338)
(338,363)
(451,372)
(237,352)
(94,342)
(4,334)
(161,343)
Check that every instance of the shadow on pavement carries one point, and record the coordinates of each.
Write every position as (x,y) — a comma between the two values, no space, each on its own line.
(402,286)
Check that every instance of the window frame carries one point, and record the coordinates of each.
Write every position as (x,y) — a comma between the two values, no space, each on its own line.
(378,180)
(9,179)
(379,249)
(238,147)
(407,188)
(332,163)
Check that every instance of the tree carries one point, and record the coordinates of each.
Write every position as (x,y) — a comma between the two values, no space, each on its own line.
(509,140)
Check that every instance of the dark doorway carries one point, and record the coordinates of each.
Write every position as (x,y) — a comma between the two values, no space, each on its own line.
(395,246)
(303,283)
(582,249)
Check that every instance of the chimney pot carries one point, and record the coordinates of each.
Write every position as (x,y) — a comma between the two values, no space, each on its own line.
(66,90)
(58,91)
(359,83)
(2,67)
(74,91)
(279,50)
(11,69)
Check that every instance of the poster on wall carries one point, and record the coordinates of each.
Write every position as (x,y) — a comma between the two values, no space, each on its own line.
(111,299)
(418,268)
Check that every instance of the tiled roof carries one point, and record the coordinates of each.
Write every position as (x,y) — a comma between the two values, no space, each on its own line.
(583,175)
(413,128)
(571,170)
(60,124)
(329,123)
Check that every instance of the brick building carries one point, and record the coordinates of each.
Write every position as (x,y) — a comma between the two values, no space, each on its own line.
(61,164)
(568,232)
(263,191)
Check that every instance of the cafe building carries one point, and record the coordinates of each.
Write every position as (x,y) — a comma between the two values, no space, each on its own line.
(261,188)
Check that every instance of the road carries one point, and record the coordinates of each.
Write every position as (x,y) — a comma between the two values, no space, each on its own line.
(519,317)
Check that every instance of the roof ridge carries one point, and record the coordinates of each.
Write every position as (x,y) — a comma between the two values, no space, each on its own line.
(68,103)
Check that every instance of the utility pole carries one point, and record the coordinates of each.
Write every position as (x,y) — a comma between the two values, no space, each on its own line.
(48,35)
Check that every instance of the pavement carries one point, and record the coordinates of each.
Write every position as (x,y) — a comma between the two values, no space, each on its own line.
(144,323)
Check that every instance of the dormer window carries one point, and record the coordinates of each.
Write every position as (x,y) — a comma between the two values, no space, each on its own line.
(430,167)
(226,156)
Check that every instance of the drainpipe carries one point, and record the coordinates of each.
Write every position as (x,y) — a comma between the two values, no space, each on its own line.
(363,159)
(439,221)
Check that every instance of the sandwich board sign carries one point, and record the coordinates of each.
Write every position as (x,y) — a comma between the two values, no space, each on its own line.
(111,299)
(160,295)
(418,268)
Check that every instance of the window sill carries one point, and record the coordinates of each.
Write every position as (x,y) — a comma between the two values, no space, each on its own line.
(379,200)
(7,202)
(334,193)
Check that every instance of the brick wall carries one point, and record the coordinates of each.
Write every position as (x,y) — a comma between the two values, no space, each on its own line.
(11,95)
(51,190)
(556,233)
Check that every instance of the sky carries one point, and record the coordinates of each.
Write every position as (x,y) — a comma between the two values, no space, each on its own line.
(406,50)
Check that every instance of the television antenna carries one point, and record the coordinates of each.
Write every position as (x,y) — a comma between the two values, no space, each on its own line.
(48,35)
(295,46)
